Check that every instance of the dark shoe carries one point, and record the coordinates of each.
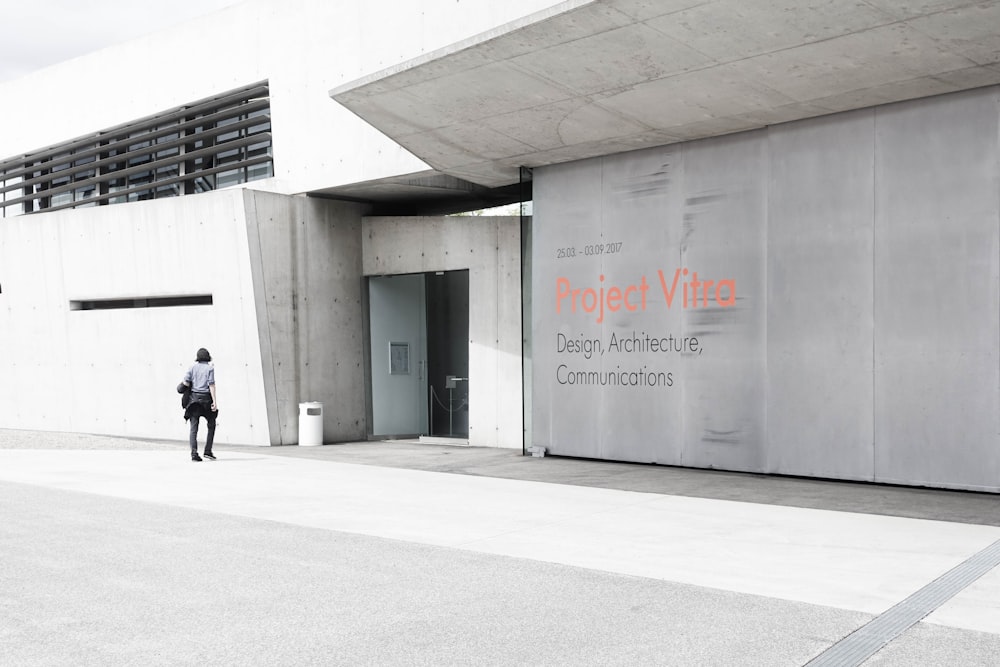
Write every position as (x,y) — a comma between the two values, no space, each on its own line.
(195,457)
(209,455)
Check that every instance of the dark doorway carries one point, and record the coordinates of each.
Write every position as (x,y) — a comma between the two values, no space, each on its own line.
(448,352)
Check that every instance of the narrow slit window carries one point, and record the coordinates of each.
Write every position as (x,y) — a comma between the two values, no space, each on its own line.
(142,302)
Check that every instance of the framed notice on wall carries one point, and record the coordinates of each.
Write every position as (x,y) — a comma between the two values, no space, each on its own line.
(399,358)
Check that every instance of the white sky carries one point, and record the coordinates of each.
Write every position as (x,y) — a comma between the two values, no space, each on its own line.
(38,33)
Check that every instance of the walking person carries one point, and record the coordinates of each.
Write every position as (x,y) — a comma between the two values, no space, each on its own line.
(201,379)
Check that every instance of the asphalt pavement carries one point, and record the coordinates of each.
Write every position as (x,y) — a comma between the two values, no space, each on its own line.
(117,551)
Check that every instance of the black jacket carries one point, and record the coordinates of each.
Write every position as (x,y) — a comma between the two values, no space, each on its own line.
(199,405)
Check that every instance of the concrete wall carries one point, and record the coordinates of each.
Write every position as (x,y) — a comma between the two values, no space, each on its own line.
(114,371)
(306,259)
(490,249)
(820,304)
(284,327)
(936,291)
(864,337)
(304,48)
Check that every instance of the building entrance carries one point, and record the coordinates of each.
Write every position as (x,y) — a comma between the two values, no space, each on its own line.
(419,354)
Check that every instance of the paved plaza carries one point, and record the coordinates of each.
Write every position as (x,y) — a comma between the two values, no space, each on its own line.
(124,552)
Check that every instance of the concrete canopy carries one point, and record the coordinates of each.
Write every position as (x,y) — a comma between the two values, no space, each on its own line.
(590,78)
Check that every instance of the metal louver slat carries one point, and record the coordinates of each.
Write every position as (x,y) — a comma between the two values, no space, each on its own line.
(148,186)
(150,166)
(124,157)
(246,94)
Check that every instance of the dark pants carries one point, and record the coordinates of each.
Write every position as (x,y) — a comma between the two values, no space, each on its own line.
(202,410)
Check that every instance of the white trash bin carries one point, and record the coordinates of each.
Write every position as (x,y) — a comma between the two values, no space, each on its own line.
(310,424)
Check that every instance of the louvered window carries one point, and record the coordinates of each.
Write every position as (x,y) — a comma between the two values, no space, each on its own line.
(213,143)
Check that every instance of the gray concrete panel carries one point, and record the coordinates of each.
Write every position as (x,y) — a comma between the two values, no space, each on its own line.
(936,292)
(255,252)
(331,338)
(484,340)
(275,266)
(567,202)
(640,208)
(640,220)
(306,265)
(751,29)
(634,53)
(725,238)
(509,404)
(861,341)
(820,326)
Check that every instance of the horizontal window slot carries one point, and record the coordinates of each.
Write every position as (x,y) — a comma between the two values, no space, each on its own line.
(142,302)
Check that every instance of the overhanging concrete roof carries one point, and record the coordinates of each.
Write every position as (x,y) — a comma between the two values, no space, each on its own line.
(590,78)
(424,193)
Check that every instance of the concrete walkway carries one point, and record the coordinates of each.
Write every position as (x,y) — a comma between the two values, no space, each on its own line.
(698,566)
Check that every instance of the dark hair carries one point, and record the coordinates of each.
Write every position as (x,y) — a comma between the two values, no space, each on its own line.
(202,355)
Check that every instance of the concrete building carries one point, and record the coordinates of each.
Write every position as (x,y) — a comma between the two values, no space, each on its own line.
(764,236)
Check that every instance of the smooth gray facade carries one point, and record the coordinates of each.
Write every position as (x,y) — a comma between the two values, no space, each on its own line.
(863,338)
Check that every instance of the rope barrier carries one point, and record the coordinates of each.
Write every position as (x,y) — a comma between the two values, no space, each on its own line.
(444,407)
